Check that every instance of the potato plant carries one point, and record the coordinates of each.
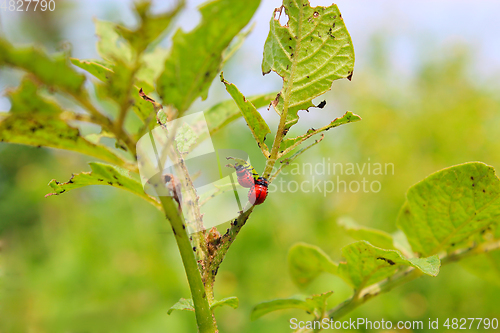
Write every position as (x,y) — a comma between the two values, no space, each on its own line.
(448,216)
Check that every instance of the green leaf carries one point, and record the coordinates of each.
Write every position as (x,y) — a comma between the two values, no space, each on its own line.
(152,64)
(183,304)
(366,264)
(309,53)
(55,72)
(229,301)
(306,262)
(312,305)
(196,57)
(150,26)
(376,237)
(485,266)
(109,45)
(103,174)
(288,145)
(142,108)
(445,209)
(36,121)
(253,118)
(226,112)
(187,304)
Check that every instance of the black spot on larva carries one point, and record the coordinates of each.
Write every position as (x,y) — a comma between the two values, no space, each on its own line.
(62,191)
(307,76)
(290,38)
(110,183)
(184,226)
(473,184)
(70,182)
(322,104)
(484,191)
(291,55)
(115,177)
(119,184)
(472,178)
(101,180)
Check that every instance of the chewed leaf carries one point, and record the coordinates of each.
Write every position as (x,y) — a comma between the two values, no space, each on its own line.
(376,237)
(254,120)
(103,174)
(306,262)
(366,264)
(311,51)
(55,72)
(445,209)
(182,305)
(196,57)
(36,121)
(312,305)
(229,301)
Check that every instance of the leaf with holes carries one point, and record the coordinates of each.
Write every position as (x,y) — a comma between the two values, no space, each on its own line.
(196,57)
(444,210)
(311,51)
(366,264)
(103,174)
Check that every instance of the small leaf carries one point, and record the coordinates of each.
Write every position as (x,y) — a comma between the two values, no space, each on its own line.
(311,51)
(150,26)
(109,44)
(288,145)
(141,107)
(55,72)
(183,304)
(103,174)
(229,301)
(312,305)
(306,262)
(445,209)
(36,121)
(366,264)
(376,237)
(225,112)
(196,57)
(253,118)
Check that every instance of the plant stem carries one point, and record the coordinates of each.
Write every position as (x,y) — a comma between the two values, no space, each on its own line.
(204,318)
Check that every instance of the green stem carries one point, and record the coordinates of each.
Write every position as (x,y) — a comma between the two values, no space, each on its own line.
(204,318)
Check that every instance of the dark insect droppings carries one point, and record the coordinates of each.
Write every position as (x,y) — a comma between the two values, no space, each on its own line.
(322,104)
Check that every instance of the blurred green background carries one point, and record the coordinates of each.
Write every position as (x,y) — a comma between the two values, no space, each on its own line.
(101,260)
